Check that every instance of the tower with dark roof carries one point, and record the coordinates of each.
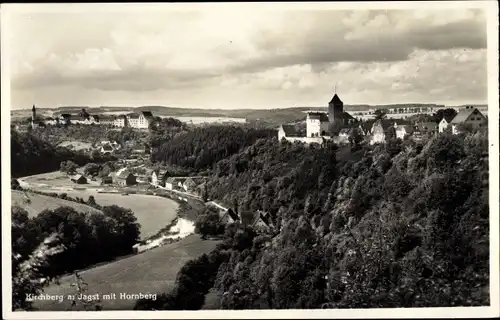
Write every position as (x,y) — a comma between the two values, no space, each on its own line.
(335,109)
(33,114)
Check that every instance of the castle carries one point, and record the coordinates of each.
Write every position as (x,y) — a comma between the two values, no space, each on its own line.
(320,124)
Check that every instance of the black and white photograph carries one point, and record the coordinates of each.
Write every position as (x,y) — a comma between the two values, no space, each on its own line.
(239,160)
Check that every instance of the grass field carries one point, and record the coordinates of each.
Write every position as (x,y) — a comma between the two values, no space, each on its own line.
(153,271)
(76,145)
(38,203)
(153,213)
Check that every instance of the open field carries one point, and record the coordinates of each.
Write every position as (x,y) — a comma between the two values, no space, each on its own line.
(152,212)
(35,203)
(76,145)
(153,271)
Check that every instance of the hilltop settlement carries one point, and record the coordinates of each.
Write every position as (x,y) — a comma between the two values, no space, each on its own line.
(322,209)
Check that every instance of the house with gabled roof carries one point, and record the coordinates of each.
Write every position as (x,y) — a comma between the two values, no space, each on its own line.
(228,216)
(159,177)
(262,222)
(287,130)
(125,178)
(444,123)
(107,149)
(428,127)
(403,131)
(78,178)
(191,183)
(468,116)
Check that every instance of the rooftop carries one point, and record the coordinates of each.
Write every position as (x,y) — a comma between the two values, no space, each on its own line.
(290,130)
(464,114)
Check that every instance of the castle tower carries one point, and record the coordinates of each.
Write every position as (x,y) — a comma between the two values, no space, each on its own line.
(33,114)
(335,109)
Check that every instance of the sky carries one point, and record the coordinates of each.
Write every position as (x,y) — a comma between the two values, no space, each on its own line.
(234,59)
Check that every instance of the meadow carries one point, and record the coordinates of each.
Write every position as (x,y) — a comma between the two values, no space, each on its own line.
(153,271)
(152,212)
(35,203)
(76,145)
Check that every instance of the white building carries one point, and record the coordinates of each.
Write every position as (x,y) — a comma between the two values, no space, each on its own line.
(140,120)
(120,121)
(443,125)
(317,124)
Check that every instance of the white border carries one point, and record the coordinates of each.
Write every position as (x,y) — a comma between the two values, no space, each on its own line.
(493,116)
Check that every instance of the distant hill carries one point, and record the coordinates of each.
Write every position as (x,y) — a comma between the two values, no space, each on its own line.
(272,117)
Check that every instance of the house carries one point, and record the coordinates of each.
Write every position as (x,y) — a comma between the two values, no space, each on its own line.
(201,188)
(469,116)
(190,184)
(145,118)
(428,128)
(93,119)
(262,223)
(51,121)
(169,183)
(125,178)
(287,130)
(65,118)
(179,184)
(382,127)
(107,149)
(159,177)
(106,120)
(133,119)
(78,178)
(378,131)
(444,123)
(403,131)
(120,121)
(107,180)
(228,216)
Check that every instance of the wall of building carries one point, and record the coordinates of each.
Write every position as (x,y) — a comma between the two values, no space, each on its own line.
(313,127)
(442,125)
(305,139)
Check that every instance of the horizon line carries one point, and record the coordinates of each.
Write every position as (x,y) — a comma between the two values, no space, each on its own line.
(260,109)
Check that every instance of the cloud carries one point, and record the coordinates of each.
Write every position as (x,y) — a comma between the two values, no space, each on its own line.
(393,51)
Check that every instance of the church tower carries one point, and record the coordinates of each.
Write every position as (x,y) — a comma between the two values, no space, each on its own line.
(335,108)
(33,114)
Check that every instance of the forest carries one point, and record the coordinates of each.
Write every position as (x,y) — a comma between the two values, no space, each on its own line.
(202,147)
(77,240)
(394,225)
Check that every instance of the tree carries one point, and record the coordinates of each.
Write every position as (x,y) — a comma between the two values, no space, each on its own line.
(448,113)
(91,201)
(208,224)
(28,277)
(91,169)
(68,167)
(355,137)
(14,184)
(380,114)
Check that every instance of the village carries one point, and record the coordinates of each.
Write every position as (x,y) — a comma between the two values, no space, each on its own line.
(137,120)
(339,126)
